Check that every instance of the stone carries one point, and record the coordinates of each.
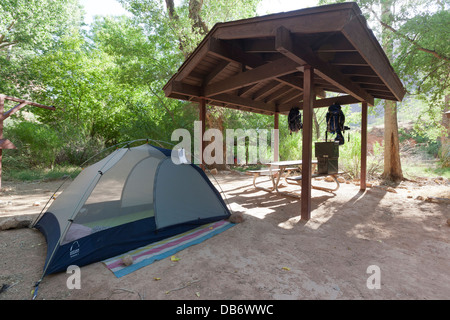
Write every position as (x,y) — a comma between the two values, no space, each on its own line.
(236,218)
(14,223)
(390,189)
(127,260)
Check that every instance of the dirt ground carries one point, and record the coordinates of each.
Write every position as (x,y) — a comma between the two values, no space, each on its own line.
(272,255)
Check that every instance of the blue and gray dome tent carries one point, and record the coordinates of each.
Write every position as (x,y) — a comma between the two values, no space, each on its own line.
(132,197)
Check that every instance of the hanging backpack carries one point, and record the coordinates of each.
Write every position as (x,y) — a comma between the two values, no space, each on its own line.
(335,123)
(294,120)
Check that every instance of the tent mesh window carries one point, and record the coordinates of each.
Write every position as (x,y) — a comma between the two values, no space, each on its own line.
(122,195)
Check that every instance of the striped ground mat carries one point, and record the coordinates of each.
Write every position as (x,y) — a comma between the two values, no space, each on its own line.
(162,249)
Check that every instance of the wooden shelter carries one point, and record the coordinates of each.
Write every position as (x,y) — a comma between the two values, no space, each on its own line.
(5,143)
(272,63)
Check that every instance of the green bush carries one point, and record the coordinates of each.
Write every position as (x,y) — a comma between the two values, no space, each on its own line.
(350,157)
(37,145)
(56,173)
(291,146)
(444,155)
(426,143)
(40,146)
(78,147)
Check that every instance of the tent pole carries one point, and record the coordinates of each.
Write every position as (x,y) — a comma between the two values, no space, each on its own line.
(276,138)
(203,120)
(363,176)
(308,102)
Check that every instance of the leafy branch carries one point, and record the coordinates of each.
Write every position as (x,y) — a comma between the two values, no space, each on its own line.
(412,41)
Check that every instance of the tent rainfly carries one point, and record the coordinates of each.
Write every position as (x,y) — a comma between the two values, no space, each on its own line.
(133,197)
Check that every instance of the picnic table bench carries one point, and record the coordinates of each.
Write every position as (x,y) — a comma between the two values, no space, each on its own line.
(280,169)
(297,180)
(271,172)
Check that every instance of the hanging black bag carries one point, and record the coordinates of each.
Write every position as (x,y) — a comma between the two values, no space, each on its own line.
(335,123)
(294,120)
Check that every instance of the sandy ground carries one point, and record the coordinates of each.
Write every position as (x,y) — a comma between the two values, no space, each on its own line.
(271,255)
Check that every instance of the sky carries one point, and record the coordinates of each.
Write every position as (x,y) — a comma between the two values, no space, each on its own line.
(112,7)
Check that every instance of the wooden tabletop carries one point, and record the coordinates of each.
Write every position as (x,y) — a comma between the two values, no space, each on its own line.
(289,163)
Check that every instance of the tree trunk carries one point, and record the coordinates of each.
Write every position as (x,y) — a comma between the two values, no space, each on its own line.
(444,152)
(392,165)
(195,8)
(175,20)
(215,120)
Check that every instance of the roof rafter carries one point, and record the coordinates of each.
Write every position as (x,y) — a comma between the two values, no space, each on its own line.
(267,71)
(233,53)
(319,103)
(305,56)
(245,102)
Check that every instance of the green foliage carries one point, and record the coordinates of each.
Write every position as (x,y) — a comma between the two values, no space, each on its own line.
(106,83)
(35,23)
(40,174)
(37,145)
(290,144)
(28,27)
(80,82)
(185,23)
(350,158)
(444,156)
(424,62)
(425,139)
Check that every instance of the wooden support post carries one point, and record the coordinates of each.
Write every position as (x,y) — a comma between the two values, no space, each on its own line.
(363,176)
(308,102)
(276,138)
(203,120)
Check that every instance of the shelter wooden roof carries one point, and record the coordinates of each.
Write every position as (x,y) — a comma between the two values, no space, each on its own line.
(257,64)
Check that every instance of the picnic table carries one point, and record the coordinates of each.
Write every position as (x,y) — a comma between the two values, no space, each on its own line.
(283,169)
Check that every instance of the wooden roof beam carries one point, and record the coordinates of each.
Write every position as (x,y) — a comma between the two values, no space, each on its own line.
(233,53)
(243,91)
(304,55)
(290,98)
(260,45)
(267,71)
(245,102)
(336,42)
(366,41)
(278,94)
(342,100)
(320,103)
(215,72)
(353,71)
(180,88)
(266,90)
(291,80)
(307,21)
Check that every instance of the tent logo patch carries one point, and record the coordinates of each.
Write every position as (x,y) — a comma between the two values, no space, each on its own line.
(74,249)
